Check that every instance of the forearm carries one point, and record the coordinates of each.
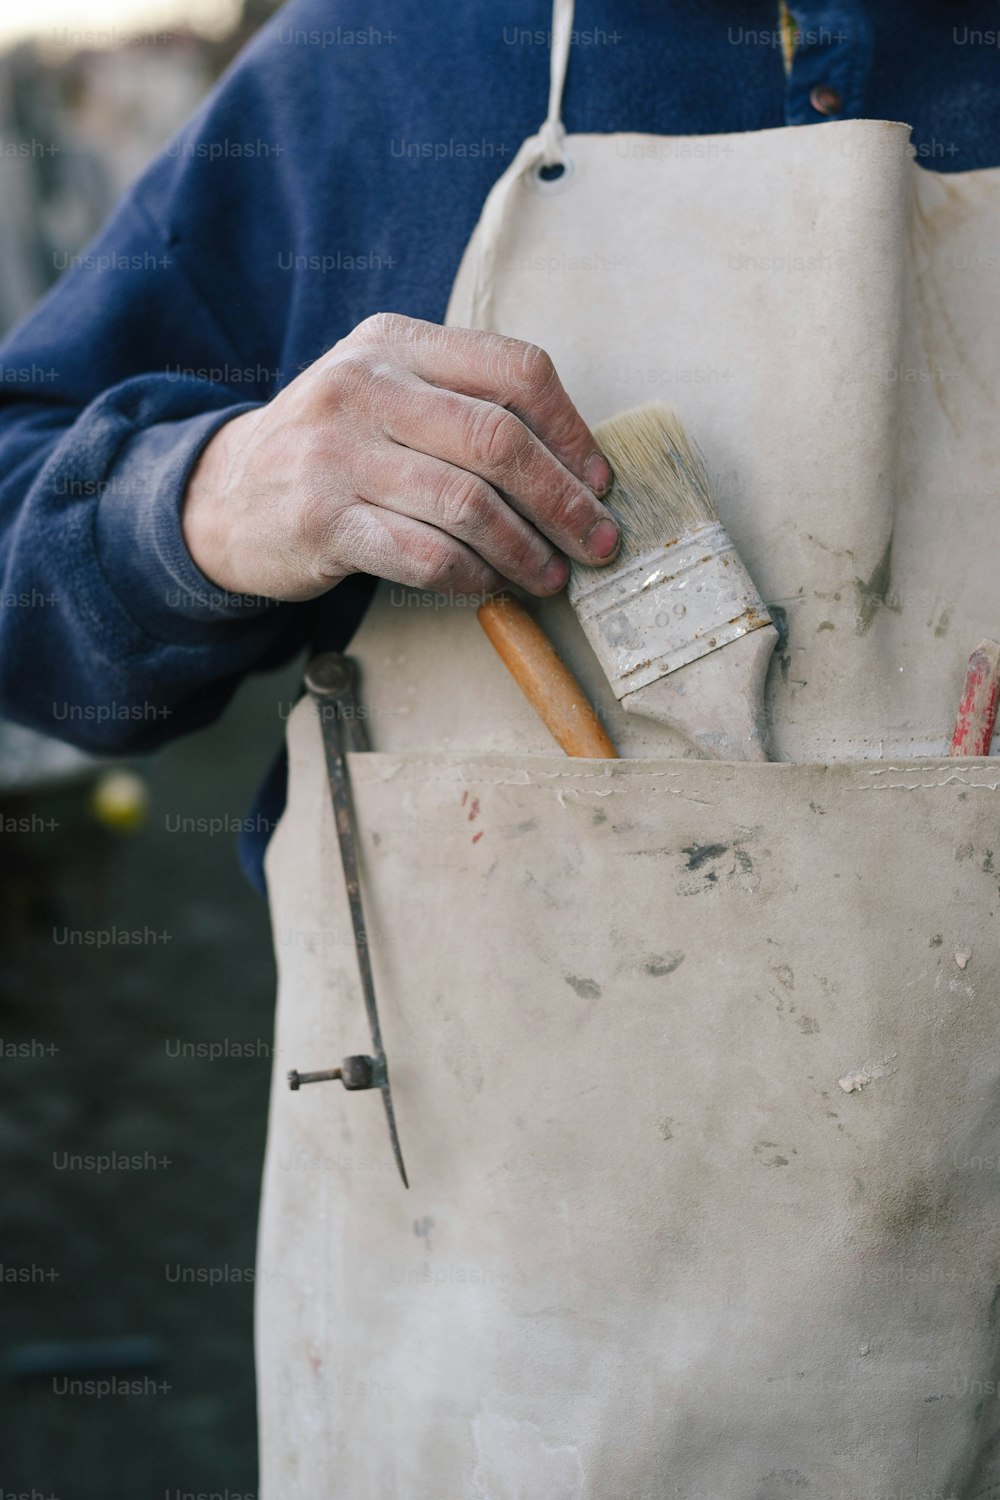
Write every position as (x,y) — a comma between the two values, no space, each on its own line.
(110,637)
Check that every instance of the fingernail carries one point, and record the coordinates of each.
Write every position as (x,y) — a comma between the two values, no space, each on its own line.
(602,539)
(597,473)
(555,572)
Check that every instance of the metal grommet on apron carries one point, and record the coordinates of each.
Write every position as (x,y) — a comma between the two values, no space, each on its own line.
(695,1066)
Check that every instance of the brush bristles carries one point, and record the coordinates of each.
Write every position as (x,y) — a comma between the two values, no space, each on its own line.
(661,488)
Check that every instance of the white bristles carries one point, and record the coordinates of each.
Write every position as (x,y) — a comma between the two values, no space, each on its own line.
(661,489)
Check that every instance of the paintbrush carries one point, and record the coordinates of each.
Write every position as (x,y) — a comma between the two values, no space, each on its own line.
(676,621)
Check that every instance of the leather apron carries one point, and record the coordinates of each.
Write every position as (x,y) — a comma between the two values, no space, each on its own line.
(696,1065)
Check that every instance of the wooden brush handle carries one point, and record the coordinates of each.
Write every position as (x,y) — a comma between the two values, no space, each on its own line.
(977,712)
(544,679)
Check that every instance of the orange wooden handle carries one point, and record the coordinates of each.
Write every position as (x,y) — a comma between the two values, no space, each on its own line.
(544,679)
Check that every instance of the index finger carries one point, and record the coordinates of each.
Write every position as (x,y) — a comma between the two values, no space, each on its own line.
(508,372)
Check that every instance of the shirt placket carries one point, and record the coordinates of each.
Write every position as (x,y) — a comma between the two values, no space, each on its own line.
(828,59)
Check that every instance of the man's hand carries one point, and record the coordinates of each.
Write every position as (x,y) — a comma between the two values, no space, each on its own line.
(442,458)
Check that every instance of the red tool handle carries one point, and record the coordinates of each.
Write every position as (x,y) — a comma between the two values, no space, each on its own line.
(977,713)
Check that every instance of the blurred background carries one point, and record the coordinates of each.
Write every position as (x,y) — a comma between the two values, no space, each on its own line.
(135,1074)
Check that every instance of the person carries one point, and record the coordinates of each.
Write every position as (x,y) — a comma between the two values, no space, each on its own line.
(685,1061)
(238,406)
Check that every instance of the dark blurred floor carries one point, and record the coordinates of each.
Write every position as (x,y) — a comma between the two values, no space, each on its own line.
(135,1250)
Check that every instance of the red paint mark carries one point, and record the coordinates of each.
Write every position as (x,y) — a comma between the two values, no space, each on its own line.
(477,836)
(977,711)
(473,810)
(465,798)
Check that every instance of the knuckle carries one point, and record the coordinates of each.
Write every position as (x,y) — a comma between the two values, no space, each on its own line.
(349,377)
(534,370)
(453,411)
(567,430)
(383,327)
(571,512)
(524,555)
(438,562)
(466,502)
(341,540)
(501,441)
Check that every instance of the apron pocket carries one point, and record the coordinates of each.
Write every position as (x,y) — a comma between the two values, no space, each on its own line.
(696,1074)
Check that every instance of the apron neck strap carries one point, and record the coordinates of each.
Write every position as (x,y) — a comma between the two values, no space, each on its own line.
(552,134)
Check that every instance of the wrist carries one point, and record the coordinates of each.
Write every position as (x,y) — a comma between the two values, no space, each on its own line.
(205,511)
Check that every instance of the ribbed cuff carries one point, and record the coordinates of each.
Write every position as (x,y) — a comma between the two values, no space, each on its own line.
(139,538)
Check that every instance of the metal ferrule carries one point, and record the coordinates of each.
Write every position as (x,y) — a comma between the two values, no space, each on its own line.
(667,608)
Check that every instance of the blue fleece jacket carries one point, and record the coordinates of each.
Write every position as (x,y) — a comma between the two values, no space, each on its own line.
(336,170)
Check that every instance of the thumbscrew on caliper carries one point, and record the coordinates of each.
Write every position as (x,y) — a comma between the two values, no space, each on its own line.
(358,1072)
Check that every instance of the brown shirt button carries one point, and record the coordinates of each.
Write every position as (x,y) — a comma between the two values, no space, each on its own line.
(826,100)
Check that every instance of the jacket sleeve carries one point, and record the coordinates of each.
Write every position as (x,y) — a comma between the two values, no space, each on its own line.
(110,637)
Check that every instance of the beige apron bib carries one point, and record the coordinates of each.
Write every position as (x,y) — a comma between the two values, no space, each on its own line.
(696,1066)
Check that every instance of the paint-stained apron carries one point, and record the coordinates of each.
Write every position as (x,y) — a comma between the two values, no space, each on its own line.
(696,1066)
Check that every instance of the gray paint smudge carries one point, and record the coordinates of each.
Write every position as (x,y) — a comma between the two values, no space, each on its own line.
(699,853)
(771,1161)
(587,989)
(873,593)
(665,965)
